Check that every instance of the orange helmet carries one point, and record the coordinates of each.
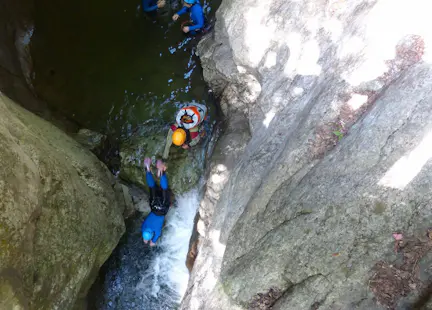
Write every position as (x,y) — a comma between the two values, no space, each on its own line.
(179,137)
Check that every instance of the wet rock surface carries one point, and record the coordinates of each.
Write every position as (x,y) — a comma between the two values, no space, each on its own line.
(15,60)
(337,103)
(140,277)
(89,138)
(185,167)
(60,216)
(16,63)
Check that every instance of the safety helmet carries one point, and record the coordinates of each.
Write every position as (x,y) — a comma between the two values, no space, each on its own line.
(179,137)
(190,1)
(147,234)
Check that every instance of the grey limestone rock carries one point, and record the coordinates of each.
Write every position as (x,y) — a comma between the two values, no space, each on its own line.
(338,107)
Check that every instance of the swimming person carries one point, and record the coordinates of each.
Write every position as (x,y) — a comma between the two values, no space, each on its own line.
(196,16)
(152,5)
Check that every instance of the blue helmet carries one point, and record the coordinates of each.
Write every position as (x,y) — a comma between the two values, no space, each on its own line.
(147,234)
(191,1)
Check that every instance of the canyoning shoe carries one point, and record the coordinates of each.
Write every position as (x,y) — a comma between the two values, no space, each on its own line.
(147,163)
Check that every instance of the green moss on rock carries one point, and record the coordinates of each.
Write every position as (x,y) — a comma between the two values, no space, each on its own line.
(185,167)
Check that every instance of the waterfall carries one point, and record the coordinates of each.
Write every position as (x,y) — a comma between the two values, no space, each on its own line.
(143,278)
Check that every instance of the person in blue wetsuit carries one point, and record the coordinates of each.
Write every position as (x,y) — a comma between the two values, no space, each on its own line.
(152,5)
(196,13)
(160,203)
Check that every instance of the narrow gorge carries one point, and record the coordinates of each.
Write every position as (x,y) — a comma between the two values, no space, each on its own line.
(313,186)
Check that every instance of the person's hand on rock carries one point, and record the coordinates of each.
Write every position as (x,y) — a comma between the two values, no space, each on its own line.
(152,244)
(186,29)
(161,3)
(175,17)
(161,167)
(147,163)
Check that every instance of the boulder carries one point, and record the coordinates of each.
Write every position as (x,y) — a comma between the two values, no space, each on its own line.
(60,219)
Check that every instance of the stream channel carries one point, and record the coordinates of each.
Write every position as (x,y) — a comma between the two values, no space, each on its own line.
(112,68)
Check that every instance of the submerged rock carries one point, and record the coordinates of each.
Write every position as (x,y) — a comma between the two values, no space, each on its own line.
(338,106)
(60,219)
(185,167)
(89,138)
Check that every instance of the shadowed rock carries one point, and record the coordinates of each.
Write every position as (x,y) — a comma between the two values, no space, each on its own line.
(60,216)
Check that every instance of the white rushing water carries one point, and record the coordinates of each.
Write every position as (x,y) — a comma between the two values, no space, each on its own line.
(137,277)
(168,268)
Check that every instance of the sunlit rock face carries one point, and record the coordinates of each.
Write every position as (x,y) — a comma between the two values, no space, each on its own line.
(336,97)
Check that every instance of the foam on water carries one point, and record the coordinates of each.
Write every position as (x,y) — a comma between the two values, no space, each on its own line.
(168,268)
(138,277)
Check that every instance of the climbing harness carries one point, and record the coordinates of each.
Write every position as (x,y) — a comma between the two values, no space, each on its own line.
(158,205)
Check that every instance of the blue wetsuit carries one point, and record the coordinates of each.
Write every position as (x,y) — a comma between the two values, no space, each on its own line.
(154,223)
(196,14)
(149,5)
(159,204)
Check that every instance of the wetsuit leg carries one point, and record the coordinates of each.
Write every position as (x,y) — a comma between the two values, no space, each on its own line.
(150,180)
(164,181)
(152,186)
(165,190)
